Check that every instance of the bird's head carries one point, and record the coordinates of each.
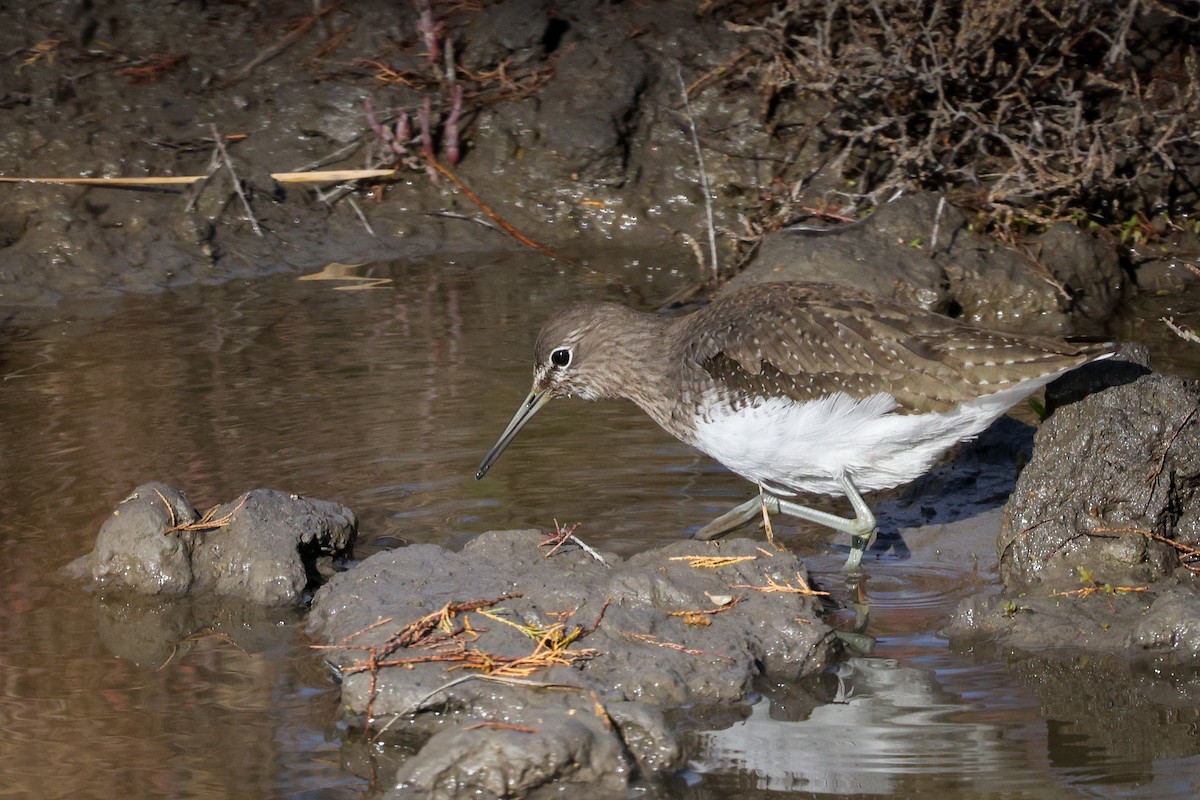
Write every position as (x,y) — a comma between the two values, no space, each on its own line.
(579,353)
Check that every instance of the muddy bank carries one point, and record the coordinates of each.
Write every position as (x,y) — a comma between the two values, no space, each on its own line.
(569,120)
(571,160)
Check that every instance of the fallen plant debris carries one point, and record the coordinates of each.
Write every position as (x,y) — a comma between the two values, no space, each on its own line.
(336,271)
(561,535)
(1087,591)
(151,68)
(775,586)
(712,562)
(207,522)
(654,640)
(443,638)
(703,616)
(163,180)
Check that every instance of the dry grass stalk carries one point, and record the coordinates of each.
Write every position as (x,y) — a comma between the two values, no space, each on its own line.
(1087,591)
(775,586)
(654,640)
(207,522)
(703,616)
(168,180)
(712,562)
(332,175)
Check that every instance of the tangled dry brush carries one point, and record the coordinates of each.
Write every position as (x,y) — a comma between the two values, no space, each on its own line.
(1030,111)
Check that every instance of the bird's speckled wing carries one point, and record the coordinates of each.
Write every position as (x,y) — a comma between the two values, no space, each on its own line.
(809,340)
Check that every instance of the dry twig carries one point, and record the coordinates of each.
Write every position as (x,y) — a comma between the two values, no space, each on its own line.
(206,522)
(237,183)
(712,562)
(654,640)
(775,586)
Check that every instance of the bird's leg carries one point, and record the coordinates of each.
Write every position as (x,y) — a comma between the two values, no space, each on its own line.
(737,516)
(861,526)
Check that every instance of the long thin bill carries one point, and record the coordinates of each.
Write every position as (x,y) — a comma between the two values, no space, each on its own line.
(532,403)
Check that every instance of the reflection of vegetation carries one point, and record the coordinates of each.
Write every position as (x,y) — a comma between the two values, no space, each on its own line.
(1025,111)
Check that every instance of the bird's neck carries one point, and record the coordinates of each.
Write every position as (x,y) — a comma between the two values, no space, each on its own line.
(646,359)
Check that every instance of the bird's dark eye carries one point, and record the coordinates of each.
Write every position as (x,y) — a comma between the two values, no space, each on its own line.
(560,357)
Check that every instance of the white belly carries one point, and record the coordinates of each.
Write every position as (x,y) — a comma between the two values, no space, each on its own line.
(805,447)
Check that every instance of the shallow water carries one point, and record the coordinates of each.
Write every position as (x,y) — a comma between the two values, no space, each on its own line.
(385,400)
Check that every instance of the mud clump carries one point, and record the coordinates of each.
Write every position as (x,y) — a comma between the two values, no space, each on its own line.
(1098,543)
(520,669)
(263,548)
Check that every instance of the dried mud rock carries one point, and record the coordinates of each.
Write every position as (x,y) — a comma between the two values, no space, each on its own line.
(639,659)
(263,551)
(1112,477)
(919,250)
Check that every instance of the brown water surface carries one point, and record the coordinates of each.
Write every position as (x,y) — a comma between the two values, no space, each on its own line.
(385,400)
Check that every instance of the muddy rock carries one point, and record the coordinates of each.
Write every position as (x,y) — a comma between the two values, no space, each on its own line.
(1134,456)
(262,548)
(918,249)
(568,747)
(1087,561)
(649,633)
(1171,625)
(131,549)
(891,253)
